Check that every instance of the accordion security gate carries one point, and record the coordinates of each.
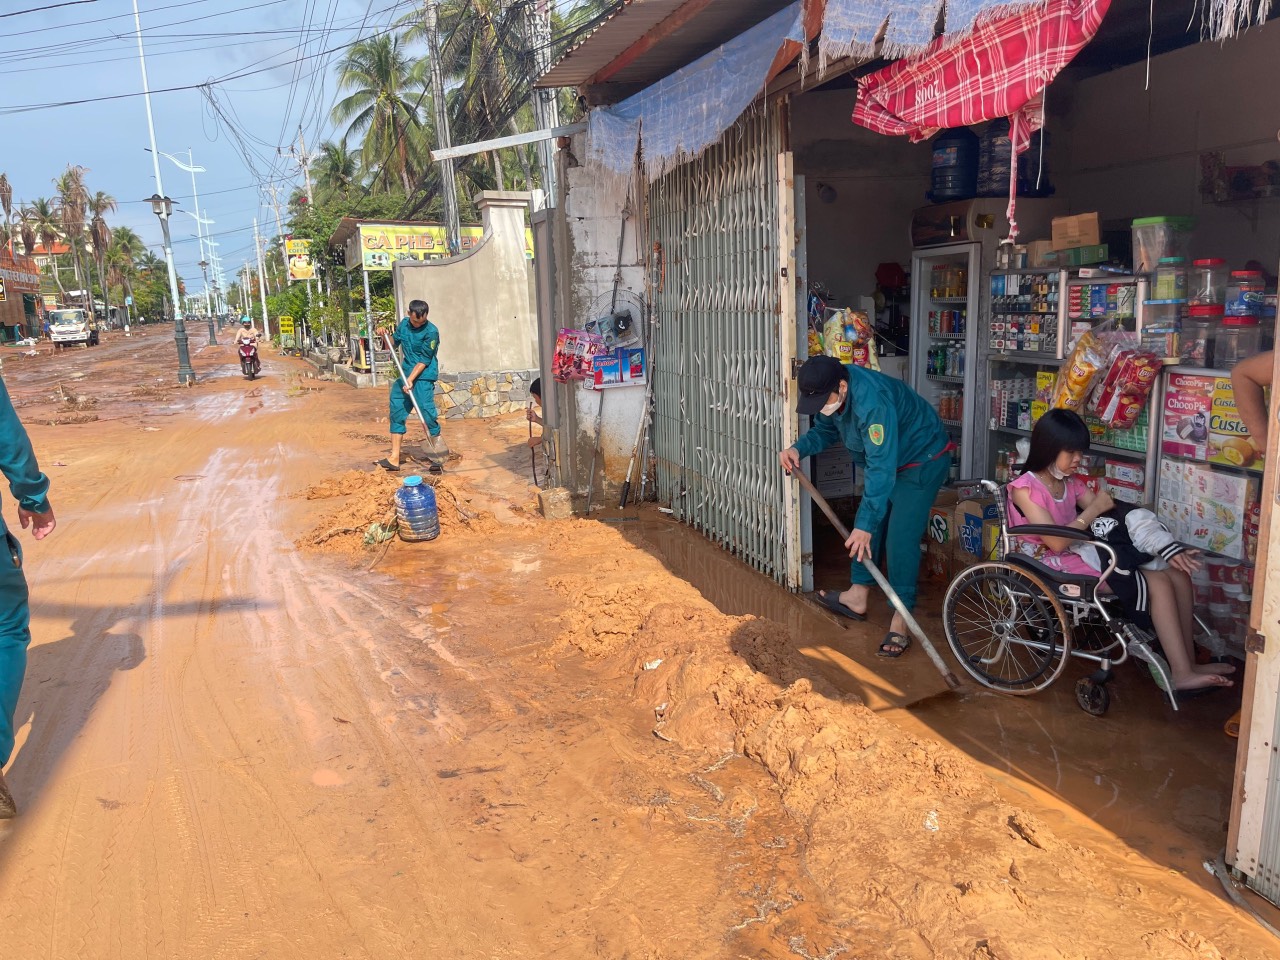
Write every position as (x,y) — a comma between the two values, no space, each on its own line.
(725,315)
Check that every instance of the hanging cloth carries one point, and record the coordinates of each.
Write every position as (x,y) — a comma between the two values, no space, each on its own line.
(999,70)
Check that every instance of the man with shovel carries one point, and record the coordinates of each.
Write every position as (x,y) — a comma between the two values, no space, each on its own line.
(419,341)
(903,448)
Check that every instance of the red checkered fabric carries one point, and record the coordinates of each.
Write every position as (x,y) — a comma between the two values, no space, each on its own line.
(998,70)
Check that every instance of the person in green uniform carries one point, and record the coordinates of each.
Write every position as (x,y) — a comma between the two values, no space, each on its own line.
(905,453)
(30,488)
(419,343)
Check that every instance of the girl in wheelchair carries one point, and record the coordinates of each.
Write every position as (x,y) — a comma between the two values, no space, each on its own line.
(1157,594)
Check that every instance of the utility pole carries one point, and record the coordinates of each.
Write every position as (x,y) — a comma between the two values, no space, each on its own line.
(304,160)
(284,256)
(262,279)
(546,108)
(452,226)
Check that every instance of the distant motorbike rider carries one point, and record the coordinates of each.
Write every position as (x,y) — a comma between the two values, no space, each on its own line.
(248,333)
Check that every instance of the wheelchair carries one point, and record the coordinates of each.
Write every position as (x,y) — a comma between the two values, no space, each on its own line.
(1013,622)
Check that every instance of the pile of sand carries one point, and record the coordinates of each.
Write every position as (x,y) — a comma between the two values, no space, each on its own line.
(907,837)
(369,499)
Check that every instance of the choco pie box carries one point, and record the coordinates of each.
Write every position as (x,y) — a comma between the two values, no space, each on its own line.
(1229,440)
(1188,402)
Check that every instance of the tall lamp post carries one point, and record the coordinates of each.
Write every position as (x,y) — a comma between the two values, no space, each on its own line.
(213,334)
(162,207)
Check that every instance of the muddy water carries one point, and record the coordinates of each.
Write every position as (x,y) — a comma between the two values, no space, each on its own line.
(1158,781)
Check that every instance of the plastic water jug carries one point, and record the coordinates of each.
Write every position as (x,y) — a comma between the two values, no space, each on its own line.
(955,165)
(416,514)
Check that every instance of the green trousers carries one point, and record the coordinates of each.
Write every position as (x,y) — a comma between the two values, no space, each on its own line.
(15,636)
(899,535)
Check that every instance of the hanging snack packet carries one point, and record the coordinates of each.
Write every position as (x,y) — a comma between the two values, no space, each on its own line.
(1124,391)
(1076,376)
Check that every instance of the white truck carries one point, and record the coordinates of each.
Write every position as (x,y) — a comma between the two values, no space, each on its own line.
(72,326)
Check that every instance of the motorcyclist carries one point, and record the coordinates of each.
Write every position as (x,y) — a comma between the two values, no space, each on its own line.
(250,334)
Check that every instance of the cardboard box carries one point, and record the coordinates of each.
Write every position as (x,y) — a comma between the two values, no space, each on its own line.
(833,473)
(970,516)
(1126,493)
(1081,230)
(1229,440)
(1126,472)
(990,538)
(1040,253)
(1082,256)
(1176,516)
(1187,404)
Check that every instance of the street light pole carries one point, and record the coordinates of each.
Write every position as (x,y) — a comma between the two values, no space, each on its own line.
(162,206)
(208,314)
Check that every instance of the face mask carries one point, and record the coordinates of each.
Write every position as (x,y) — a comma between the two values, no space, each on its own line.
(1056,473)
(831,408)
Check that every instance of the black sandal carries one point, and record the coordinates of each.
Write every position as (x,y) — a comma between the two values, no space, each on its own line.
(388,466)
(831,600)
(893,645)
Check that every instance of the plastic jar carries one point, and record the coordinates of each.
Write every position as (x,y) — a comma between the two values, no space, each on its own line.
(1196,340)
(1170,281)
(1245,294)
(1208,283)
(416,514)
(1237,339)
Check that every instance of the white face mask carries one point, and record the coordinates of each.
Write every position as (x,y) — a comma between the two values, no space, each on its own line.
(831,408)
(1056,473)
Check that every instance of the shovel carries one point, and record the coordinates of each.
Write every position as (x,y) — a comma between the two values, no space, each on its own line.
(951,680)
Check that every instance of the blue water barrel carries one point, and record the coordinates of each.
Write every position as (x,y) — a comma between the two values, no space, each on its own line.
(416,514)
(994,160)
(955,165)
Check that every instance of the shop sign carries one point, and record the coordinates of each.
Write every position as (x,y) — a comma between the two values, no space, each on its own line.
(50,301)
(298,254)
(381,245)
(20,276)
(2,293)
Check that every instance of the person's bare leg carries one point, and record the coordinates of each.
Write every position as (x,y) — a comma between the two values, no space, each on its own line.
(1185,594)
(395,448)
(855,598)
(1176,644)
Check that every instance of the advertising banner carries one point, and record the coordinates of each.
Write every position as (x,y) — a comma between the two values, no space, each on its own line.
(298,255)
(381,245)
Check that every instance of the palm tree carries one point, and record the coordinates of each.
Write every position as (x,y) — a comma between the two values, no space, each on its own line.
(381,104)
(73,197)
(121,258)
(41,217)
(100,204)
(6,203)
(337,171)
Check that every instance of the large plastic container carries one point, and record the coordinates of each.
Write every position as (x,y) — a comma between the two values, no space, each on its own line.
(417,517)
(955,165)
(1208,284)
(994,159)
(1246,293)
(1237,339)
(1196,341)
(1155,238)
(1170,281)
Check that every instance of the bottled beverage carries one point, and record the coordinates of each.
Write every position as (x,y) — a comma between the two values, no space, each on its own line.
(417,517)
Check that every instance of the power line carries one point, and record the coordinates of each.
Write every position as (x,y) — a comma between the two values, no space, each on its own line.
(52,6)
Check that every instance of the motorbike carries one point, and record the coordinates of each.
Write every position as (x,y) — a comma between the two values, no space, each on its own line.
(250,365)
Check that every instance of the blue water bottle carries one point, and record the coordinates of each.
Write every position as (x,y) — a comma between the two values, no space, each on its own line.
(416,513)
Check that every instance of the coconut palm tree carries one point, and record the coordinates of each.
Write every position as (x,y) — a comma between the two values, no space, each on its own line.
(6,203)
(337,171)
(42,219)
(73,198)
(381,105)
(99,205)
(122,254)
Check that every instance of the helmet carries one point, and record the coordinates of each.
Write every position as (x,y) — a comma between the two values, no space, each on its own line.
(246,321)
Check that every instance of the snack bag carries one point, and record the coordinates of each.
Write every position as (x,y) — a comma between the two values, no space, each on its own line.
(1124,390)
(815,343)
(864,355)
(1075,378)
(833,337)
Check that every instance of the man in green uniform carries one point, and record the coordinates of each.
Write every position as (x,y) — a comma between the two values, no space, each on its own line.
(903,448)
(419,342)
(30,488)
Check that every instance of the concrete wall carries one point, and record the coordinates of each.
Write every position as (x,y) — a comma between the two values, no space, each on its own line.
(591,207)
(482,300)
(1127,151)
(877,180)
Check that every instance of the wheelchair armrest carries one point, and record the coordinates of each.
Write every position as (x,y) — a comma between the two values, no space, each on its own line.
(1051,530)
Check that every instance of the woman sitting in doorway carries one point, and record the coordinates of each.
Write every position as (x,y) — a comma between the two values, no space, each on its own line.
(1048,492)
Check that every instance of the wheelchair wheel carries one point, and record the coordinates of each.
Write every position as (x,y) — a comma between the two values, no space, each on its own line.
(1093,697)
(1006,628)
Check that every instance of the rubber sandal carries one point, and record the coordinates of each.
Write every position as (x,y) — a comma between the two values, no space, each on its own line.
(388,466)
(893,639)
(832,602)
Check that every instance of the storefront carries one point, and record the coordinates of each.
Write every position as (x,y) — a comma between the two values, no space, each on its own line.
(983,329)
(19,289)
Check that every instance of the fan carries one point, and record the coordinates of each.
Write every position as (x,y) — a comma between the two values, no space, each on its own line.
(619,320)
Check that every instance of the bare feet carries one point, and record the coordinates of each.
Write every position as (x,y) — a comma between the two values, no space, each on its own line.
(855,598)
(1199,681)
(1218,669)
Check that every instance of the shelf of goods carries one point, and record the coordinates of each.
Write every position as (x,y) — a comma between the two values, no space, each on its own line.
(1034,316)
(946,330)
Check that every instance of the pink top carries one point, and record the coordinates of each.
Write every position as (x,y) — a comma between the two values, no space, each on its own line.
(1062,513)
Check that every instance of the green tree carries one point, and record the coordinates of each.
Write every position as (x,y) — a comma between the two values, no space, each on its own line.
(337,172)
(381,103)
(73,200)
(42,222)
(99,205)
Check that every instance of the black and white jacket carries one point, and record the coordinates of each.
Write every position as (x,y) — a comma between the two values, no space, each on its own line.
(1137,536)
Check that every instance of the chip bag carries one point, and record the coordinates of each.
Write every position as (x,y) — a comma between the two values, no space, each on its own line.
(1123,392)
(1078,372)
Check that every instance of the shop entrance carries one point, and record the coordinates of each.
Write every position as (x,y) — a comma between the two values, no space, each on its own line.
(982,333)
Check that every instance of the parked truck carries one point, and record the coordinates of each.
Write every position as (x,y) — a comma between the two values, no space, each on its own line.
(72,326)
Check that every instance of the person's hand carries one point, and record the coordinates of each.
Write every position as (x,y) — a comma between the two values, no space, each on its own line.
(1102,502)
(535,443)
(530,415)
(41,524)
(790,460)
(1188,562)
(859,544)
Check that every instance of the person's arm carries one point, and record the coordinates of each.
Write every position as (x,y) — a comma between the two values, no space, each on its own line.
(822,434)
(1093,506)
(879,426)
(30,487)
(1249,377)
(415,373)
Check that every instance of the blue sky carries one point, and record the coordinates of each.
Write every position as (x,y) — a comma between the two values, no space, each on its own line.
(88,51)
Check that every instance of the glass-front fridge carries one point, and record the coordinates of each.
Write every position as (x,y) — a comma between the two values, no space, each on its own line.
(945,296)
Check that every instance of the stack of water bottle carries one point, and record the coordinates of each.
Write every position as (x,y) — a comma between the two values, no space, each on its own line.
(946,360)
